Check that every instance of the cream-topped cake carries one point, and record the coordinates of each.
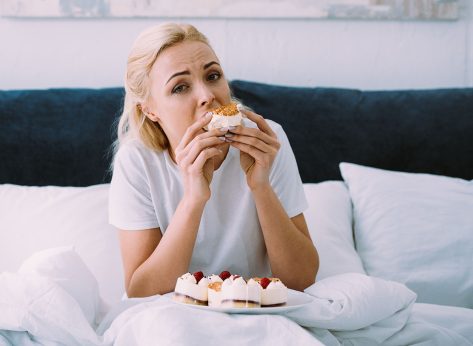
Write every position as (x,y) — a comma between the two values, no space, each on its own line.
(215,290)
(226,116)
(238,293)
(191,289)
(273,293)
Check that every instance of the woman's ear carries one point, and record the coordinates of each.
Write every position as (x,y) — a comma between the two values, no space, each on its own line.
(150,115)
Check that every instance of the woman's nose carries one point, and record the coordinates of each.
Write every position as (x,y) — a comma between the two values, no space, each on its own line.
(206,96)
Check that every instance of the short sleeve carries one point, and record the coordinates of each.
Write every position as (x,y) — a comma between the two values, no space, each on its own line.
(285,178)
(130,202)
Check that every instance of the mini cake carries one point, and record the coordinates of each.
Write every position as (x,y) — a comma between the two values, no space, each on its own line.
(238,293)
(273,293)
(215,289)
(191,289)
(226,116)
(215,294)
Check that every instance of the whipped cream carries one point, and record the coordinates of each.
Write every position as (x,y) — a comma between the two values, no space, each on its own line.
(187,285)
(237,289)
(215,294)
(204,282)
(254,291)
(275,293)
(214,278)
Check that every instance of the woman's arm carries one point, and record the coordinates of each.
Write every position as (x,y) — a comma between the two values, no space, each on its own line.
(151,261)
(291,253)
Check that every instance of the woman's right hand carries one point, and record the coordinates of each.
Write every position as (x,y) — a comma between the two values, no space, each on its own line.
(195,158)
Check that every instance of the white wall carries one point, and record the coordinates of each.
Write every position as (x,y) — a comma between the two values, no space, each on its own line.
(37,53)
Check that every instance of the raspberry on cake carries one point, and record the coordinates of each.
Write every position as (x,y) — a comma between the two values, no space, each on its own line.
(225,275)
(226,116)
(191,289)
(273,293)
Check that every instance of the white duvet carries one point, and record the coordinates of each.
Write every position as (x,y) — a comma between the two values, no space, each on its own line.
(348,309)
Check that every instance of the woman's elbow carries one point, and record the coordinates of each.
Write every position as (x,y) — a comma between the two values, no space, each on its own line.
(134,292)
(145,288)
(136,289)
(312,270)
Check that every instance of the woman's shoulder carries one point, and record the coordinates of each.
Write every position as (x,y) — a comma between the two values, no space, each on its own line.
(134,151)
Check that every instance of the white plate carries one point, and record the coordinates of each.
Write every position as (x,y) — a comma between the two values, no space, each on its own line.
(295,300)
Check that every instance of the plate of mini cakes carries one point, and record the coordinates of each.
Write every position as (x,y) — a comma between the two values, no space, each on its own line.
(231,293)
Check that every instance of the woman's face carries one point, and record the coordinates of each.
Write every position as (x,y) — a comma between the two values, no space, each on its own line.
(186,82)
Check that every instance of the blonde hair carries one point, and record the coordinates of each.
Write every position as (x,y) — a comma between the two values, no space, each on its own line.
(133,124)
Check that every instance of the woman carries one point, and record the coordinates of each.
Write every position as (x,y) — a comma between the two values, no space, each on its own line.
(185,199)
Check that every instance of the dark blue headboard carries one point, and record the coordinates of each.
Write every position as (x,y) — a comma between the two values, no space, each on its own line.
(57,136)
(424,131)
(63,136)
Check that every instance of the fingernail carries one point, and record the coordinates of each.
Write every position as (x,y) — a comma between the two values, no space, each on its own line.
(231,128)
(224,129)
(227,135)
(221,138)
(228,140)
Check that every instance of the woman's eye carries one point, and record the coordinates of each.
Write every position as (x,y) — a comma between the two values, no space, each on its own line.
(179,89)
(214,76)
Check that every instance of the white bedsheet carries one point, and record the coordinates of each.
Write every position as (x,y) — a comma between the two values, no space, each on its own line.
(348,309)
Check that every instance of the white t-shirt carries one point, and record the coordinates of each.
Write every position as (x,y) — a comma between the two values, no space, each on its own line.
(146,188)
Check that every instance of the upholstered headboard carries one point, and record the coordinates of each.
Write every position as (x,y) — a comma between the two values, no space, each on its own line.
(63,136)
(57,136)
(428,131)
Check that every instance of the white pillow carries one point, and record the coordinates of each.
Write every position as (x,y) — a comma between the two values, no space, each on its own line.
(416,229)
(38,218)
(329,219)
(65,267)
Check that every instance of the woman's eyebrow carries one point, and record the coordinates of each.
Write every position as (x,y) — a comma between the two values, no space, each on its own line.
(186,72)
(206,66)
(178,74)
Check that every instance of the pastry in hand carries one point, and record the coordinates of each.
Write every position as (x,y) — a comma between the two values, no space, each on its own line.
(226,116)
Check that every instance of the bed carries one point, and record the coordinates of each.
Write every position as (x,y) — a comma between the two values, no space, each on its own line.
(388,176)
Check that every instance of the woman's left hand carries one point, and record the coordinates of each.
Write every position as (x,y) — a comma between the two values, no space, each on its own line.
(258,148)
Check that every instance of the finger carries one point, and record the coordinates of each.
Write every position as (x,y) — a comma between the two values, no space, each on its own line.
(251,141)
(256,133)
(188,156)
(260,157)
(215,133)
(193,130)
(259,121)
(203,157)
(209,134)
